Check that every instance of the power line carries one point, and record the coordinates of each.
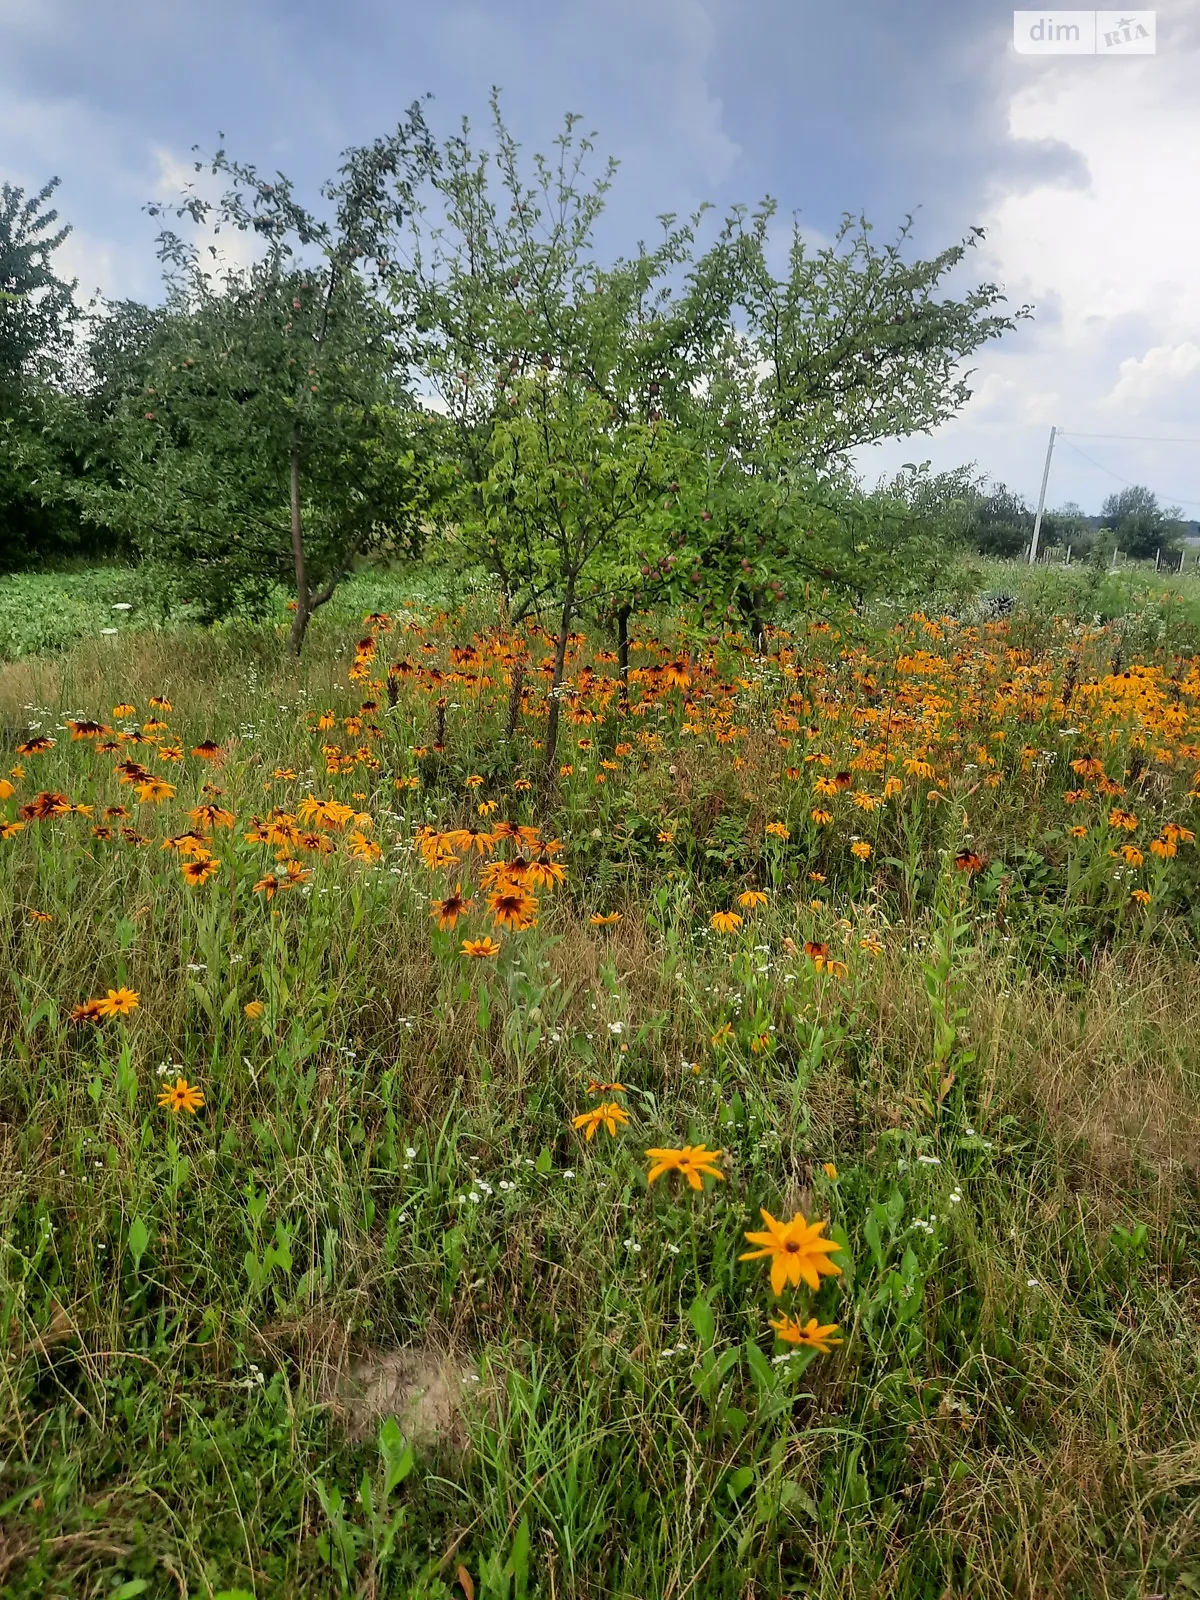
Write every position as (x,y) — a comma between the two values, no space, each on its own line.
(1128,482)
(1140,438)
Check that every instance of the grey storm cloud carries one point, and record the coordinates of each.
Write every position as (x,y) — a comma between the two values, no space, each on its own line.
(854,106)
(827,107)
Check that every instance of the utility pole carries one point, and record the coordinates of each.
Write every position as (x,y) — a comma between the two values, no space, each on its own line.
(1037,521)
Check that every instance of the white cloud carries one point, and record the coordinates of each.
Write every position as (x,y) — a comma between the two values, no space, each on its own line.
(1112,266)
(1156,375)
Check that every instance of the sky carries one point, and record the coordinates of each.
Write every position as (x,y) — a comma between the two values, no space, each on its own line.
(1084,171)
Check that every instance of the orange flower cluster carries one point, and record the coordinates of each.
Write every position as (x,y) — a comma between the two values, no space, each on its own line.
(512,863)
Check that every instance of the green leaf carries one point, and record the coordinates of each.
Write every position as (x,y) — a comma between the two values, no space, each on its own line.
(543,1162)
(761,1369)
(128,1590)
(795,1498)
(518,1561)
(397,1455)
(738,1482)
(701,1317)
(139,1238)
(874,1238)
(735,1420)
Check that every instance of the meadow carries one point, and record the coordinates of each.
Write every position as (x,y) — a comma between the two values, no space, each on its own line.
(761,1162)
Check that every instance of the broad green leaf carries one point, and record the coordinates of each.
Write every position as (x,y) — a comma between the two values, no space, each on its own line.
(397,1455)
(139,1238)
(701,1317)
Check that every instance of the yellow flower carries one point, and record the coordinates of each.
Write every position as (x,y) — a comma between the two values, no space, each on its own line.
(362,848)
(1142,896)
(480,949)
(199,872)
(604,919)
(726,921)
(778,830)
(254,1009)
(796,1251)
(181,1096)
(861,849)
(821,817)
(513,908)
(694,1161)
(830,1170)
(449,910)
(154,790)
(607,1115)
(812,1334)
(751,899)
(117,1003)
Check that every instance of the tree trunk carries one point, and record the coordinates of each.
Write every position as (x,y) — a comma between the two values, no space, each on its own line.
(623,652)
(560,657)
(300,625)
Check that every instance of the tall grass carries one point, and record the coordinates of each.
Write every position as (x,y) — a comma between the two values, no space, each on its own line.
(382,1210)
